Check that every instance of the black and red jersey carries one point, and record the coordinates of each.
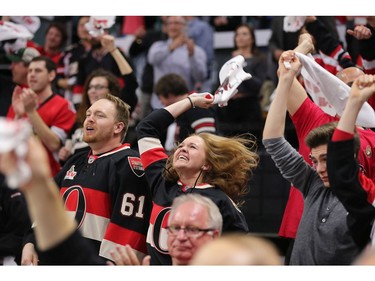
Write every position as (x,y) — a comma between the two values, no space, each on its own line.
(154,158)
(195,120)
(109,197)
(354,190)
(366,49)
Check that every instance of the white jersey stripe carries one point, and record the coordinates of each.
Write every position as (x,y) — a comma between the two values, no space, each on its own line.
(93,226)
(148,143)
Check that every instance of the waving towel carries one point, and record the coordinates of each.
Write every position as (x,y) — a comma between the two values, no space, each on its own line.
(329,92)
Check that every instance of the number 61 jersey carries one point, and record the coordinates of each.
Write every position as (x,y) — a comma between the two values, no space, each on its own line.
(108,195)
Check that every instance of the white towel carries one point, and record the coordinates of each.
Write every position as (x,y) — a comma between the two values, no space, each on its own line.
(10,30)
(329,92)
(231,75)
(293,23)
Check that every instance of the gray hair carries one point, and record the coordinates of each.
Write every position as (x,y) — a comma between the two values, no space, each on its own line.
(216,219)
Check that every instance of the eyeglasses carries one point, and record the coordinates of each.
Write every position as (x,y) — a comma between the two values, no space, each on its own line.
(96,87)
(190,231)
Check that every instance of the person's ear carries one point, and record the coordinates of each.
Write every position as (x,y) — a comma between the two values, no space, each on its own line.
(205,167)
(119,127)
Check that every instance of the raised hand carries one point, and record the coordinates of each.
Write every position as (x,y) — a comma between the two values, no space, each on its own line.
(289,64)
(203,100)
(108,42)
(190,45)
(363,87)
(126,256)
(360,32)
(17,103)
(29,99)
(177,42)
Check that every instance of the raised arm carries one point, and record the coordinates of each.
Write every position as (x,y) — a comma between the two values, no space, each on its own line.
(203,100)
(46,135)
(44,202)
(297,93)
(353,189)
(327,43)
(362,89)
(108,41)
(275,122)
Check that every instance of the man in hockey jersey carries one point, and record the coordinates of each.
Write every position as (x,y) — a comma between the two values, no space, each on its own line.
(51,116)
(105,190)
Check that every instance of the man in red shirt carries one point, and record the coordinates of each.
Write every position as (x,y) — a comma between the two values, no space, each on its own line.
(51,116)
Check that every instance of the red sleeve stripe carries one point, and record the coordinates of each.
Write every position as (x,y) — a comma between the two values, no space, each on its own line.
(78,89)
(122,236)
(152,156)
(200,127)
(329,60)
(207,120)
(369,66)
(206,129)
(339,135)
(204,125)
(369,186)
(151,151)
(336,52)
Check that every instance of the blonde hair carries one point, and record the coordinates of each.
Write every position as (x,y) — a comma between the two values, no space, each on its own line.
(123,112)
(238,249)
(231,160)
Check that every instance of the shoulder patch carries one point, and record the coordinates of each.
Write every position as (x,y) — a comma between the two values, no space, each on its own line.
(368,151)
(136,166)
(70,174)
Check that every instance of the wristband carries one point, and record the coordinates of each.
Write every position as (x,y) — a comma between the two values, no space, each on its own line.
(191,102)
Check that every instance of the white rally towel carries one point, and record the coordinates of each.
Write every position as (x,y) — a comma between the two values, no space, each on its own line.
(10,30)
(97,24)
(32,23)
(14,135)
(231,75)
(293,23)
(329,92)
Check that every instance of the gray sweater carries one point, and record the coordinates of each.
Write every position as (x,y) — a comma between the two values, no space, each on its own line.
(323,236)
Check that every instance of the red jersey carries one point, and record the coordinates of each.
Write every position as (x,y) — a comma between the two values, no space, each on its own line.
(308,117)
(59,115)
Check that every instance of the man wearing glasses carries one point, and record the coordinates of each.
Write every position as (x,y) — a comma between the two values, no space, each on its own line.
(194,220)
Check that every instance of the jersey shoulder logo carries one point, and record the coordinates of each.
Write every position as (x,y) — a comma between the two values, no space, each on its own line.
(368,151)
(136,166)
(70,174)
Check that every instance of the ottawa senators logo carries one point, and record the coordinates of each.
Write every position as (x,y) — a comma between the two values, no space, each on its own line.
(136,166)
(368,151)
(70,174)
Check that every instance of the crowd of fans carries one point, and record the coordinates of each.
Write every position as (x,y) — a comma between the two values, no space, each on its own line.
(128,129)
